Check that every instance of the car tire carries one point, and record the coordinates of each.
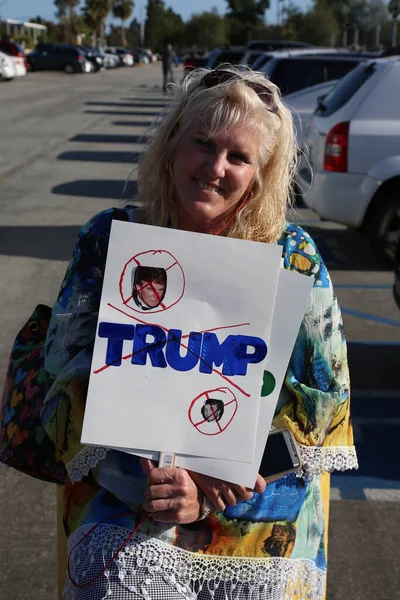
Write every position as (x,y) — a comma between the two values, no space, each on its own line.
(69,68)
(383,223)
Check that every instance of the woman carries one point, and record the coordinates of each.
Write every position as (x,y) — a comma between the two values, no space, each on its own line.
(221,162)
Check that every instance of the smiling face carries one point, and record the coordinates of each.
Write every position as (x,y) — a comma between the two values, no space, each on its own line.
(211,174)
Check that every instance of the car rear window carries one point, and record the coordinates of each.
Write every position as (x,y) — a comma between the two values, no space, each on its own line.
(289,75)
(233,58)
(5,47)
(292,75)
(345,89)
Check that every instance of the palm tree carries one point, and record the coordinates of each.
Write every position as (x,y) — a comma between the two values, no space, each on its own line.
(95,13)
(394,9)
(66,14)
(122,9)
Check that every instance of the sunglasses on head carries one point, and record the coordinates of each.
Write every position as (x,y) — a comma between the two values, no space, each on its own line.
(221,76)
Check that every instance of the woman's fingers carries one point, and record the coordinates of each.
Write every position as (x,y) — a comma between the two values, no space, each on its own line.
(260,484)
(159,504)
(155,492)
(147,465)
(242,493)
(172,496)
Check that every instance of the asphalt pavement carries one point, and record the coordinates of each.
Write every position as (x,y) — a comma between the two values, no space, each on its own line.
(69,149)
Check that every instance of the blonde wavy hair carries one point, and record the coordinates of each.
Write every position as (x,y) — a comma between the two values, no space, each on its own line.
(217,109)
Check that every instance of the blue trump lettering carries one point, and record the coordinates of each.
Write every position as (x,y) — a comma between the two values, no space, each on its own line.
(164,349)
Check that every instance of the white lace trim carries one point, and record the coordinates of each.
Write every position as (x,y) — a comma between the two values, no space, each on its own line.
(316,460)
(325,459)
(188,572)
(86,459)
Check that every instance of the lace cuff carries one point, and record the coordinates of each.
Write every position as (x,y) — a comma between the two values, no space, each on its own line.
(86,459)
(316,460)
(325,459)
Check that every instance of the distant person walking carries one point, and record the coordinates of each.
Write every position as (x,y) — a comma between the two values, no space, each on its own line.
(168,59)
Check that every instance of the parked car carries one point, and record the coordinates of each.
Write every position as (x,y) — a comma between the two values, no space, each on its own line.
(111,61)
(264,57)
(292,72)
(303,104)
(7,71)
(262,60)
(219,56)
(94,57)
(126,58)
(258,48)
(59,57)
(193,61)
(396,285)
(352,172)
(13,49)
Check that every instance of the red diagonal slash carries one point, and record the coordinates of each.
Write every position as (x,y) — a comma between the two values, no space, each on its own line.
(183,346)
(150,283)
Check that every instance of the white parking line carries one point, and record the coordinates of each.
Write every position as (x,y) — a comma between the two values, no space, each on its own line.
(374,489)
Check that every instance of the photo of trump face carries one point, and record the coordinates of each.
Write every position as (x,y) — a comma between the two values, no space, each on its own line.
(212,409)
(149,286)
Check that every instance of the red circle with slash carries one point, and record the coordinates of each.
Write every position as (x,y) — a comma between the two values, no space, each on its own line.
(213,411)
(156,257)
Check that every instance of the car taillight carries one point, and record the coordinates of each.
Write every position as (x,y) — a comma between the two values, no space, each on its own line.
(336,148)
(80,59)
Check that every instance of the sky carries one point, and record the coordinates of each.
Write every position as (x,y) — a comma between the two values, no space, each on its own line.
(25,9)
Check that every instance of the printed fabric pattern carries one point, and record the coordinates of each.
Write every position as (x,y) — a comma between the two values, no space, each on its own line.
(287,520)
(23,443)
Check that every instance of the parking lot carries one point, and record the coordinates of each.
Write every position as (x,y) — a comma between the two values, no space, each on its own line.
(69,149)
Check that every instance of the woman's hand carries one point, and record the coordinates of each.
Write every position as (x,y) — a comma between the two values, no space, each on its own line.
(222,493)
(171,494)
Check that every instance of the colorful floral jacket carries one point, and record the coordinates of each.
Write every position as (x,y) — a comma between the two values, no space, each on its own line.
(287,521)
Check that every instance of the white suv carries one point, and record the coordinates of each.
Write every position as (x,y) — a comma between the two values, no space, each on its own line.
(352,171)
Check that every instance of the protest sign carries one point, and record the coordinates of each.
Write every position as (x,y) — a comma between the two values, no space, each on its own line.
(291,299)
(181,343)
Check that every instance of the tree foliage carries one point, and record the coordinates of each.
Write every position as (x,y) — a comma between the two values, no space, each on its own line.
(321,23)
(67,16)
(243,17)
(95,13)
(122,9)
(206,30)
(162,26)
(394,8)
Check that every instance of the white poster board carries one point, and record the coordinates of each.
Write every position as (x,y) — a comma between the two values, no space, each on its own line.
(291,301)
(178,360)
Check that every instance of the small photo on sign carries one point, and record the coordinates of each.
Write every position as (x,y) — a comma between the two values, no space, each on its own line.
(151,281)
(149,285)
(213,411)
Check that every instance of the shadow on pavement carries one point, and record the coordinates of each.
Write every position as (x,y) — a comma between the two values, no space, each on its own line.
(346,249)
(46,242)
(127,105)
(133,123)
(146,102)
(103,157)
(375,409)
(109,138)
(98,188)
(119,113)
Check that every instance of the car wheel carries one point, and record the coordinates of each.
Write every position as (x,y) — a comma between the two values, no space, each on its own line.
(383,224)
(69,68)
